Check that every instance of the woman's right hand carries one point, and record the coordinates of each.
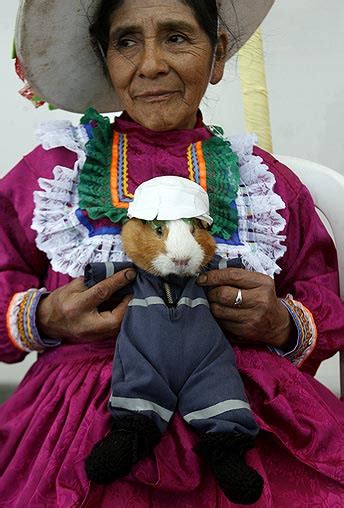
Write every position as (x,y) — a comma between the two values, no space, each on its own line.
(71,314)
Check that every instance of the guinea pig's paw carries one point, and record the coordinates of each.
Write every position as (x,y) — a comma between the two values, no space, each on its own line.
(240,483)
(125,444)
(225,455)
(111,457)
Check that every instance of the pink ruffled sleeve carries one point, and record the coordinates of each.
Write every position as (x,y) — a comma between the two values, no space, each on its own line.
(22,265)
(309,267)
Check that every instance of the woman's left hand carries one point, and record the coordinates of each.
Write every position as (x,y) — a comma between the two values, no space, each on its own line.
(261,317)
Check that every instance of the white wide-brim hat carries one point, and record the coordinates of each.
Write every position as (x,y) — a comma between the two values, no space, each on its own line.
(60,64)
(170,198)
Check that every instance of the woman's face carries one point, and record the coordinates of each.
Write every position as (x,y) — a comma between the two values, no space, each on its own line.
(160,61)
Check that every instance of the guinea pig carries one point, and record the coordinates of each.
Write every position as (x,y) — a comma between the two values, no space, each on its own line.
(182,246)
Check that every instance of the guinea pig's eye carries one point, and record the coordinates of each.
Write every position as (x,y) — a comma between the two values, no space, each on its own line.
(202,225)
(159,231)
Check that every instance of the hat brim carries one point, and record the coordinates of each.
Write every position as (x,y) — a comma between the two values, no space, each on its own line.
(60,64)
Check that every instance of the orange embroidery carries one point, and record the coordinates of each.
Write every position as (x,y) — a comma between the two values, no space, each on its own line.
(114,173)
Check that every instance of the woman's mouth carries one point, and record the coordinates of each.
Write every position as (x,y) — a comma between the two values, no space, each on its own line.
(159,96)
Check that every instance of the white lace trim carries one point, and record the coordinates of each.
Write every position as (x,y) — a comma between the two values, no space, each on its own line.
(259,223)
(59,233)
(67,242)
(63,134)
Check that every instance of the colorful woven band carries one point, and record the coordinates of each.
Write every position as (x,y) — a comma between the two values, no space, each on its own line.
(21,322)
(306,332)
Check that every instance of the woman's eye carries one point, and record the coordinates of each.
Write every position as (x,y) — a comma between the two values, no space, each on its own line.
(159,231)
(125,43)
(177,38)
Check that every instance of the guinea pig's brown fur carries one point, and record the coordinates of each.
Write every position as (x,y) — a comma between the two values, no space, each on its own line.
(207,242)
(143,245)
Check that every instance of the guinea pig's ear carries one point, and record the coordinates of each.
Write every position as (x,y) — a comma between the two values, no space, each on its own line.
(202,224)
(143,221)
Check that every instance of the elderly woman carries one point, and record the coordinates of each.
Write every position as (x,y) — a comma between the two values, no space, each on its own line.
(62,206)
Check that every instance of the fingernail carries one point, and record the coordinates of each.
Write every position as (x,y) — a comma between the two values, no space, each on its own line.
(202,279)
(130,275)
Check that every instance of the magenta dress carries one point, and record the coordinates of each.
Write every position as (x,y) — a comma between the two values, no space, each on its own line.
(59,410)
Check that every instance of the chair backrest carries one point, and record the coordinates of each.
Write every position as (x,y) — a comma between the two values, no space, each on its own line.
(327,189)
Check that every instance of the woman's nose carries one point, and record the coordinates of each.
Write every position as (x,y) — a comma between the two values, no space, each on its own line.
(152,61)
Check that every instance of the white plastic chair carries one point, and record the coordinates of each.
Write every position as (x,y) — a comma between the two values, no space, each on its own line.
(327,189)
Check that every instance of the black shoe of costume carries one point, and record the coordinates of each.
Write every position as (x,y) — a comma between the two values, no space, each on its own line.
(130,439)
(225,454)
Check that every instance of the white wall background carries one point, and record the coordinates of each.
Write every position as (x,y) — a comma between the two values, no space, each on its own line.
(304,45)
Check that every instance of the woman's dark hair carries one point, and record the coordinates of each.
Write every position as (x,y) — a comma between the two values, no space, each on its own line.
(204,10)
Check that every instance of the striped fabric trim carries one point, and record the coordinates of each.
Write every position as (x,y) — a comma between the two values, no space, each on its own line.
(307,334)
(201,165)
(21,321)
(118,171)
(109,269)
(11,322)
(217,409)
(222,264)
(192,164)
(156,300)
(146,302)
(196,164)
(193,303)
(140,405)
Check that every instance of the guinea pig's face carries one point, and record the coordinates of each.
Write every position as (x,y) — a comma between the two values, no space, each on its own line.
(173,247)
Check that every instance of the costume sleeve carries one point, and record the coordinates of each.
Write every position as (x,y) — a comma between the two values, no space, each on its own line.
(309,281)
(96,272)
(219,263)
(22,265)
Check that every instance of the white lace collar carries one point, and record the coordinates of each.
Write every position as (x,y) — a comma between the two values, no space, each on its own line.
(67,242)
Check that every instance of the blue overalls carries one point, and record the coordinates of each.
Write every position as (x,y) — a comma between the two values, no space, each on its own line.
(172,355)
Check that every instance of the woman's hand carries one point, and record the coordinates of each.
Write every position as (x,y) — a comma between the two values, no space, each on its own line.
(71,313)
(260,318)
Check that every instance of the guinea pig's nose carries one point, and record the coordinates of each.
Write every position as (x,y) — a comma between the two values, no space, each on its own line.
(181,262)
